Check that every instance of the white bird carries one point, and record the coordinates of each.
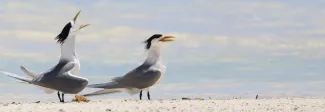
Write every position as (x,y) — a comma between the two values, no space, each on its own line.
(62,77)
(142,77)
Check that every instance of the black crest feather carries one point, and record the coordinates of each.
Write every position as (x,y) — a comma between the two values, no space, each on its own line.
(148,41)
(64,33)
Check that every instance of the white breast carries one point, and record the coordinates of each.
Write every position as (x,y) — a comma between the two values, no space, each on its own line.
(76,69)
(160,67)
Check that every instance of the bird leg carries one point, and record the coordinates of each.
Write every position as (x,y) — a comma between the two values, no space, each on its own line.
(59,96)
(62,98)
(141,95)
(148,94)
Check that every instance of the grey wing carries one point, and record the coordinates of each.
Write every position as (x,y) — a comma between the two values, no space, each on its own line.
(17,77)
(103,85)
(139,71)
(102,92)
(140,79)
(61,68)
(67,67)
(114,83)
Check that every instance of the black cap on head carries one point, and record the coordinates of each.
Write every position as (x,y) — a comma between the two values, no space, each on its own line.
(148,41)
(64,33)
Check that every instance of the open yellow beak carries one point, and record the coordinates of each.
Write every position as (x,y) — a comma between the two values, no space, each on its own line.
(167,38)
(75,17)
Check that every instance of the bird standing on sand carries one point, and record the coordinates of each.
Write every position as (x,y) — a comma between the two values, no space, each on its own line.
(142,77)
(62,77)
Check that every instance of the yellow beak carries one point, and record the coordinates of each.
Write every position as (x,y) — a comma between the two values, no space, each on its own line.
(83,26)
(167,38)
(75,17)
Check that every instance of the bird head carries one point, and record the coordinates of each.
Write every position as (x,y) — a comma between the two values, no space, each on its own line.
(68,29)
(157,39)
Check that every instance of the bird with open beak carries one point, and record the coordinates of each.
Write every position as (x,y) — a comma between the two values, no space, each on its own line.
(142,77)
(62,77)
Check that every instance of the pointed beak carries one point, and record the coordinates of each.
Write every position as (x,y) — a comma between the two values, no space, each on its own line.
(83,26)
(75,17)
(167,39)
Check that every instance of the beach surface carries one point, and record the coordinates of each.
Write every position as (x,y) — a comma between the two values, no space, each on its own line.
(127,105)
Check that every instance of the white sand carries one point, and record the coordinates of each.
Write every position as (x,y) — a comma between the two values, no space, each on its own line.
(232,105)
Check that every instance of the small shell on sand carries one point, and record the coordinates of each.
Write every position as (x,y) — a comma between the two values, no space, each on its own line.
(79,98)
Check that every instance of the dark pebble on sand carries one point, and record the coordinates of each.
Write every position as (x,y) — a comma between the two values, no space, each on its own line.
(295,109)
(61,110)
(186,98)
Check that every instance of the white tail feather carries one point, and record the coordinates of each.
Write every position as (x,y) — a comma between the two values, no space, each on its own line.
(131,91)
(46,90)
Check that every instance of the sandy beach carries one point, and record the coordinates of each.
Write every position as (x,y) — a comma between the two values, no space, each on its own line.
(125,105)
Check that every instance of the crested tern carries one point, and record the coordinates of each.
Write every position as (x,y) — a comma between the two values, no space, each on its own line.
(142,77)
(62,77)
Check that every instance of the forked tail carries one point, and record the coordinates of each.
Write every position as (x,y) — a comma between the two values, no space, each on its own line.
(29,73)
